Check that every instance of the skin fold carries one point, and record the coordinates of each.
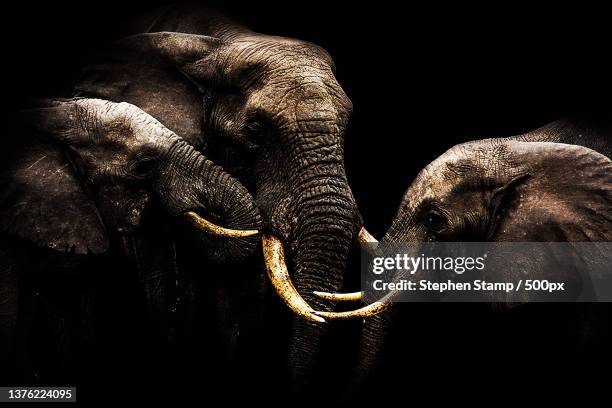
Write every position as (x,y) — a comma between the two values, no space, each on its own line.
(270,111)
(78,182)
(551,184)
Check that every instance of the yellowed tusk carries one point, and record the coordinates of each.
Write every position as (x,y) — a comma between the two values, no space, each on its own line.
(276,269)
(215,229)
(343,297)
(365,237)
(367,311)
(370,310)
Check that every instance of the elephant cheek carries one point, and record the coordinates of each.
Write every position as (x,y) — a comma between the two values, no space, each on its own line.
(133,217)
(122,209)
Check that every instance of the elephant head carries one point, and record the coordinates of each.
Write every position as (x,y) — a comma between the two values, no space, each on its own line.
(504,190)
(494,190)
(272,113)
(500,190)
(81,170)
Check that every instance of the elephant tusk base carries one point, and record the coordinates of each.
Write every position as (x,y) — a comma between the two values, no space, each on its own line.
(365,237)
(214,229)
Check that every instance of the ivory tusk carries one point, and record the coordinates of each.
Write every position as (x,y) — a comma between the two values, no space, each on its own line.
(365,237)
(367,311)
(346,297)
(215,229)
(281,281)
(370,310)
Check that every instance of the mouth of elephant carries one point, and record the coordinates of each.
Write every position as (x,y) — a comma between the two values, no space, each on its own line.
(278,273)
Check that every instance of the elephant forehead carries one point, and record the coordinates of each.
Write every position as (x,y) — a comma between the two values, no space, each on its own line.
(280,63)
(436,180)
(462,162)
(315,108)
(123,123)
(278,49)
(439,183)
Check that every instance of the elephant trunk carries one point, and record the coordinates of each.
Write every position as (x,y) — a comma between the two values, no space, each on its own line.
(190,184)
(374,336)
(315,213)
(322,239)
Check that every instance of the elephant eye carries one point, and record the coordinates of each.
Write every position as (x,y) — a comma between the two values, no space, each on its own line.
(435,221)
(253,127)
(142,168)
(258,130)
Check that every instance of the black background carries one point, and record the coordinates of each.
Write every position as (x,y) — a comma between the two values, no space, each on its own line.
(421,78)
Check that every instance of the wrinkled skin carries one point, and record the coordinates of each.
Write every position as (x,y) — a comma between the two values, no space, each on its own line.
(465,194)
(511,189)
(100,167)
(270,111)
(88,171)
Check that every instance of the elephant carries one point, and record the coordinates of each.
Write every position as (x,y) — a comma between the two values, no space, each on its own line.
(79,178)
(550,184)
(125,159)
(270,111)
(466,193)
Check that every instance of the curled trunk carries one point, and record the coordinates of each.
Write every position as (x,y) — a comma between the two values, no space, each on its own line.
(190,182)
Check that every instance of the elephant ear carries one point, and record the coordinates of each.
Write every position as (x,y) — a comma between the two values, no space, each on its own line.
(561,193)
(41,198)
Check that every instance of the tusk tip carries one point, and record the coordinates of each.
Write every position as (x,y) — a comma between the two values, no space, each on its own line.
(213,229)
(316,318)
(249,233)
